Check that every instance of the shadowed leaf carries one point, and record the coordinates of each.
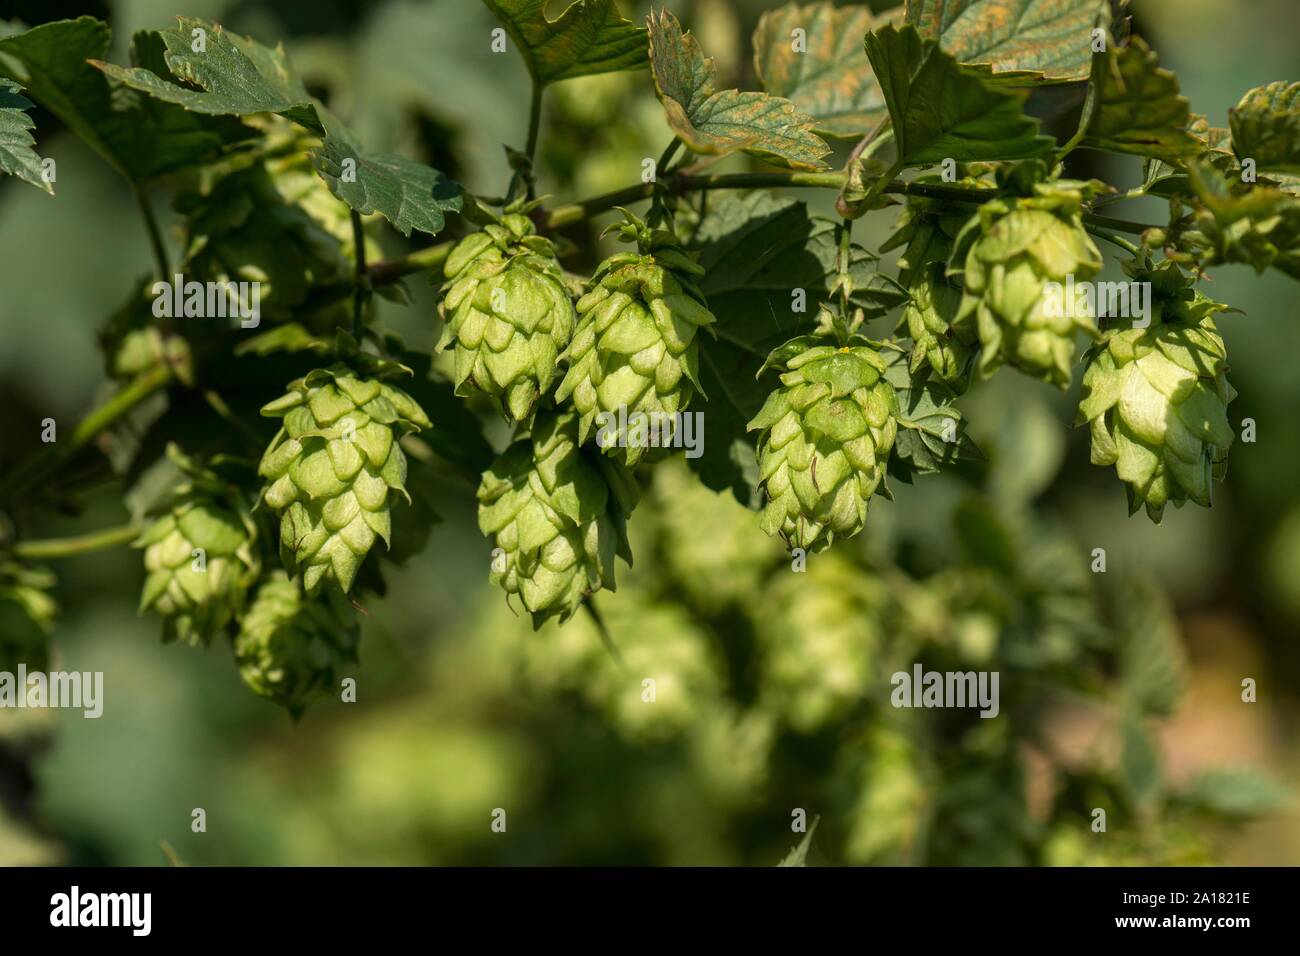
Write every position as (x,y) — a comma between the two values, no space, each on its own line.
(1266,127)
(590,36)
(17,146)
(1139,109)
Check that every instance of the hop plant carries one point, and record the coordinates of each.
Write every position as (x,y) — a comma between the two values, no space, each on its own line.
(557,516)
(1156,398)
(334,466)
(819,633)
(635,348)
(506,313)
(825,435)
(1007,254)
(199,555)
(26,616)
(241,228)
(291,647)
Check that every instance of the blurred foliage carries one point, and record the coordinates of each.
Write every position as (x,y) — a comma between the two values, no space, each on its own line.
(755,711)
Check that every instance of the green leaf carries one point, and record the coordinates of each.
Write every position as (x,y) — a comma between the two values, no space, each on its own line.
(1257,226)
(17,146)
(1139,761)
(1237,793)
(408,194)
(827,78)
(932,432)
(1152,662)
(590,36)
(941,110)
(1021,41)
(289,337)
(236,76)
(718,123)
(1166,179)
(758,250)
(1266,127)
(139,138)
(799,855)
(1138,107)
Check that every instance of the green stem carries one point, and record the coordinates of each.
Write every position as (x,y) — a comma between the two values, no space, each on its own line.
(534,121)
(1117,240)
(362,290)
(54,456)
(155,233)
(77,544)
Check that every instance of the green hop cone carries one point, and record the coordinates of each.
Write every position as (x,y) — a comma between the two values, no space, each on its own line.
(825,437)
(334,467)
(1156,398)
(818,633)
(292,647)
(26,616)
(1014,256)
(506,313)
(635,348)
(199,556)
(927,231)
(558,516)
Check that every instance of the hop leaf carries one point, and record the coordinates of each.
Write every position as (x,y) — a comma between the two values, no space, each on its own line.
(198,555)
(291,647)
(333,469)
(824,440)
(1156,398)
(1007,254)
(635,347)
(506,313)
(557,517)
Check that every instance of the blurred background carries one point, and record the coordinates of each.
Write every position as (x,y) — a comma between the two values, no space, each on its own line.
(768,685)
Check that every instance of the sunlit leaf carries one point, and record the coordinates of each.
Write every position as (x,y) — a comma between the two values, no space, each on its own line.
(822,70)
(1266,127)
(590,36)
(18,155)
(709,121)
(1138,106)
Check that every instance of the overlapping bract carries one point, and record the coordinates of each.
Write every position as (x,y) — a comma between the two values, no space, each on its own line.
(635,348)
(292,647)
(199,556)
(333,468)
(557,516)
(506,313)
(825,438)
(1007,254)
(1156,398)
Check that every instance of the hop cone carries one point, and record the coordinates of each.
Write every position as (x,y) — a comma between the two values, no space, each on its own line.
(558,518)
(1156,399)
(240,228)
(198,556)
(506,312)
(927,230)
(818,632)
(1007,254)
(825,438)
(291,647)
(635,346)
(333,468)
(26,616)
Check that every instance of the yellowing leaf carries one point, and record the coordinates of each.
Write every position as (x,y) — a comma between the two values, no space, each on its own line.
(1138,107)
(1021,40)
(590,36)
(942,110)
(812,55)
(724,122)
(1266,127)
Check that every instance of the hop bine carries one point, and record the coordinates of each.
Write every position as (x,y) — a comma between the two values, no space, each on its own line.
(292,647)
(824,439)
(198,555)
(506,313)
(635,347)
(334,467)
(1156,398)
(1006,255)
(558,516)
